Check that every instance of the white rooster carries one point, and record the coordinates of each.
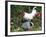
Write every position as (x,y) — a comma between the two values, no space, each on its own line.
(28,17)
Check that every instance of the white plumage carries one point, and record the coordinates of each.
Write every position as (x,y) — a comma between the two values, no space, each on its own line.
(30,15)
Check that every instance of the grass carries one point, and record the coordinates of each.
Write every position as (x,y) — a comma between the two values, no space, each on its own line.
(16,19)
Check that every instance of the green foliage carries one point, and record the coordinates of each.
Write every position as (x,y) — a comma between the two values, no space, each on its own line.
(16,18)
(39,8)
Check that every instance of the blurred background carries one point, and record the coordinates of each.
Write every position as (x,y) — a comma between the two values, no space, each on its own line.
(16,18)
